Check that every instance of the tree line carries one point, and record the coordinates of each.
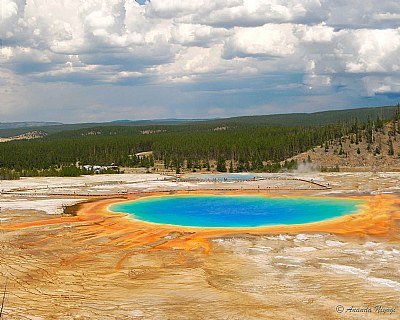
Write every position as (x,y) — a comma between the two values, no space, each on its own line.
(243,146)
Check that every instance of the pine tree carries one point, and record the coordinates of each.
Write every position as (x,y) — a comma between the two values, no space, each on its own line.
(391,149)
(221,166)
(231,167)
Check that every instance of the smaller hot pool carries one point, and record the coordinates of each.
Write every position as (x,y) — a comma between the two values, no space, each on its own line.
(225,176)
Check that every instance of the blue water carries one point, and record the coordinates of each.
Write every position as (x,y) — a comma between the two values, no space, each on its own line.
(234,211)
(224,176)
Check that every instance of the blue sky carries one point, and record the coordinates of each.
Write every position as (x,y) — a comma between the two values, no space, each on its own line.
(123,59)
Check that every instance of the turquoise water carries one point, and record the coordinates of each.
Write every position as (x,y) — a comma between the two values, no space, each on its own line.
(234,211)
(224,176)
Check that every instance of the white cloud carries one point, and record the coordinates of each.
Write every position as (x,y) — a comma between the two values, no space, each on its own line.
(231,13)
(197,35)
(316,33)
(313,80)
(360,13)
(381,85)
(8,9)
(10,13)
(119,42)
(387,16)
(268,40)
(192,62)
(374,50)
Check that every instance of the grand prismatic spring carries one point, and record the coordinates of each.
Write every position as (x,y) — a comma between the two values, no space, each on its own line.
(235,210)
(302,252)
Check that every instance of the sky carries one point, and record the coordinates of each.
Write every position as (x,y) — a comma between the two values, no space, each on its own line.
(101,60)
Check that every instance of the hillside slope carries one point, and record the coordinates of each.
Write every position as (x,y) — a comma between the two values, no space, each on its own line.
(381,153)
(315,118)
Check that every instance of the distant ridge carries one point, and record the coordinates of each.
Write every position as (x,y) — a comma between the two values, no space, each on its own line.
(27,124)
(282,119)
(167,120)
(315,118)
(273,120)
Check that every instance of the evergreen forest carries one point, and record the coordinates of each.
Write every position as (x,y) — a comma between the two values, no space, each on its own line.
(235,144)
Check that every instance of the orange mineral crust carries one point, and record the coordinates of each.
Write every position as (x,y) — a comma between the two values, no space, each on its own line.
(378,217)
(100,264)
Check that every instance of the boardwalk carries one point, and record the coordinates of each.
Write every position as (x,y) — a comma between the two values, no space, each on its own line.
(143,186)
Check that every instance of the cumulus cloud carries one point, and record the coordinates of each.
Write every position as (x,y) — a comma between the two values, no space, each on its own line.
(267,40)
(321,46)
(358,14)
(389,85)
(375,50)
(230,13)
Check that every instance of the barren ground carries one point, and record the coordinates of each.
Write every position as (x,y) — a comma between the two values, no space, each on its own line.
(108,267)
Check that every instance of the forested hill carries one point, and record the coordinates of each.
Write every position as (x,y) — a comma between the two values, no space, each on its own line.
(316,118)
(55,128)
(276,120)
(26,124)
(243,144)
